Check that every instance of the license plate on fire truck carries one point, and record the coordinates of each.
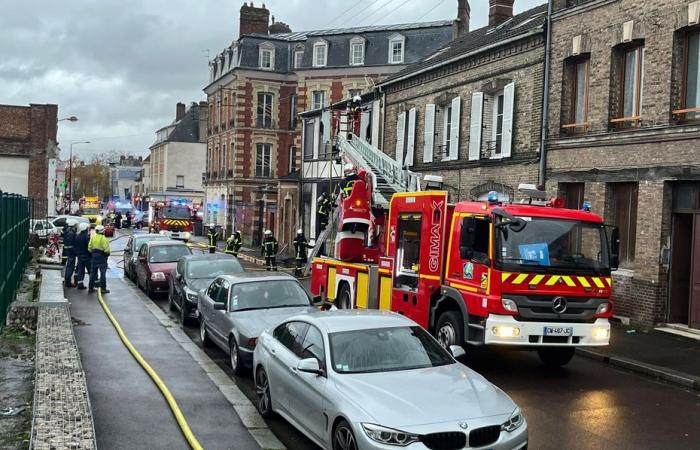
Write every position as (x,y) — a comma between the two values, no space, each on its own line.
(558,331)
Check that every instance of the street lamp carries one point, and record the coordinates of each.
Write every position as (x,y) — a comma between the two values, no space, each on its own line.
(70,169)
(69,118)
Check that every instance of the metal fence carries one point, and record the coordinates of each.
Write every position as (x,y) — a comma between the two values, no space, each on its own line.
(15,213)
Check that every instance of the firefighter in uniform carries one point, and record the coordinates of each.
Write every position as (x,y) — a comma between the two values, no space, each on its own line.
(69,252)
(269,250)
(82,254)
(99,249)
(323,210)
(212,235)
(300,249)
(349,180)
(234,243)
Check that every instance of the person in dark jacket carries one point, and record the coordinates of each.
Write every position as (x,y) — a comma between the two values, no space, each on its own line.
(82,254)
(234,244)
(269,250)
(323,207)
(118,221)
(99,250)
(128,220)
(300,249)
(212,236)
(68,252)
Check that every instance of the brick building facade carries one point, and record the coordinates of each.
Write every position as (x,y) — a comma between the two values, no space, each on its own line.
(623,134)
(28,135)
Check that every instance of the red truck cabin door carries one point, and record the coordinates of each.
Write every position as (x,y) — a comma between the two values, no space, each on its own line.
(417,225)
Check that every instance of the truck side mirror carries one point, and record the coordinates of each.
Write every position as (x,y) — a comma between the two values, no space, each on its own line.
(615,248)
(467,238)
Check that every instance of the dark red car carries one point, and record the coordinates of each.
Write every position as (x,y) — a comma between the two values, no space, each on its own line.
(156,261)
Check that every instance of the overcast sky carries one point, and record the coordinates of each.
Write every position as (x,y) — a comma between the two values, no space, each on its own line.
(121,66)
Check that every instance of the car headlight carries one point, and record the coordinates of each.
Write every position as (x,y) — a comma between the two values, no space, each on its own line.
(516,419)
(186,235)
(389,436)
(191,296)
(509,305)
(157,276)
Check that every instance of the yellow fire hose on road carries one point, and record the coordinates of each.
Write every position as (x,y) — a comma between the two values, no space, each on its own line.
(179,417)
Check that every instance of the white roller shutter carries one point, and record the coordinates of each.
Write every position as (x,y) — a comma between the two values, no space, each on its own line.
(508,109)
(411,138)
(454,128)
(400,135)
(429,133)
(475,125)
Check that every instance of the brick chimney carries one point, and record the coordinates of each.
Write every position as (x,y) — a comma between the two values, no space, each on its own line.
(254,20)
(500,11)
(460,25)
(179,111)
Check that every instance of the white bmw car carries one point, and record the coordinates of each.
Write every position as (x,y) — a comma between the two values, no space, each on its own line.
(356,380)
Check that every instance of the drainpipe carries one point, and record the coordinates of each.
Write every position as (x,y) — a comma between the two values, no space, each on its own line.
(545,100)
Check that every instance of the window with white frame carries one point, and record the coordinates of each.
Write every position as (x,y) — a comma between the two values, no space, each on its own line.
(264,110)
(396,49)
(446,113)
(298,58)
(357,51)
(263,157)
(320,54)
(267,57)
(292,159)
(319,99)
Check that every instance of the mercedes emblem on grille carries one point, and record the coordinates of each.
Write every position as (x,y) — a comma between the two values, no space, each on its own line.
(463,425)
(559,305)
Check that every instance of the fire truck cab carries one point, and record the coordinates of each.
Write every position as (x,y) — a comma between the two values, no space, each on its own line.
(485,273)
(172,219)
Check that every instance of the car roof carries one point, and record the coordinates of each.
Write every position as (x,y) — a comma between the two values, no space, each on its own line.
(66,216)
(151,236)
(354,319)
(166,243)
(256,276)
(208,257)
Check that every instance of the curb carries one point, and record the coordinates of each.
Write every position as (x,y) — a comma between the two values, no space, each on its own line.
(650,370)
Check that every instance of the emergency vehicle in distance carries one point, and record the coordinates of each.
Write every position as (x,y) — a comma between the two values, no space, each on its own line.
(90,207)
(534,276)
(172,219)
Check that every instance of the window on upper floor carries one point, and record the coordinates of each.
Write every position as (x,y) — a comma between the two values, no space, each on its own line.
(320,54)
(319,99)
(293,99)
(574,117)
(627,86)
(180,181)
(292,159)
(357,51)
(267,57)
(265,109)
(491,123)
(689,45)
(263,163)
(396,49)
(298,58)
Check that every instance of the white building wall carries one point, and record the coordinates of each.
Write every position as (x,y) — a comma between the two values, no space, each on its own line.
(186,159)
(14,175)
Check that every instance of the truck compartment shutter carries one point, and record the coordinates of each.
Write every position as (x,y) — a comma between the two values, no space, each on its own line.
(454,128)
(508,110)
(429,133)
(400,135)
(411,138)
(475,126)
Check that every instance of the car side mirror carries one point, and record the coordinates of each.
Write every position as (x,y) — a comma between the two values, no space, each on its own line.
(220,306)
(309,365)
(142,258)
(615,249)
(457,351)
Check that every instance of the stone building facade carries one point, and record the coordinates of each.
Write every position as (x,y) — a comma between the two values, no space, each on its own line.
(623,134)
(472,111)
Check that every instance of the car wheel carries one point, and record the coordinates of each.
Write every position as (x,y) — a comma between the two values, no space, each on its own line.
(262,388)
(556,357)
(343,437)
(449,329)
(203,335)
(344,299)
(235,357)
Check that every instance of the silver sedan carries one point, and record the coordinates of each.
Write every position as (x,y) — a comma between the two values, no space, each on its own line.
(354,380)
(234,309)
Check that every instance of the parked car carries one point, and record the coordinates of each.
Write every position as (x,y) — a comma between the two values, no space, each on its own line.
(155,263)
(195,272)
(131,251)
(60,221)
(235,309)
(43,228)
(375,380)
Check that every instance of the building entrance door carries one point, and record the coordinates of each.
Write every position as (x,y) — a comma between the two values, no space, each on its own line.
(684,295)
(694,309)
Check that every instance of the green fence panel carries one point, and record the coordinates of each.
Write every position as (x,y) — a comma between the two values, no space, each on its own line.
(15,212)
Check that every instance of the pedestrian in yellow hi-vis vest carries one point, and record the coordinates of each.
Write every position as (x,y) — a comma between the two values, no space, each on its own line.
(212,235)
(269,250)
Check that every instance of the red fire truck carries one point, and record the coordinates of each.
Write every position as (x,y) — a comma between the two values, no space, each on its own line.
(480,273)
(172,219)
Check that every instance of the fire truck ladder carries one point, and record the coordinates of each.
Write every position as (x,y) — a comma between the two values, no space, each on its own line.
(321,240)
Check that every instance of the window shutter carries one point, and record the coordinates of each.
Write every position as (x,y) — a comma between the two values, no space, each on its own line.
(429,133)
(376,118)
(400,133)
(454,128)
(508,109)
(475,126)
(411,140)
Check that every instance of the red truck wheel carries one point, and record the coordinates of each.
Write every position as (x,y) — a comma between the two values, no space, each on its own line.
(449,329)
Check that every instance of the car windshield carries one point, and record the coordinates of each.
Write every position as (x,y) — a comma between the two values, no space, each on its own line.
(268,294)
(386,350)
(554,244)
(212,268)
(176,213)
(167,253)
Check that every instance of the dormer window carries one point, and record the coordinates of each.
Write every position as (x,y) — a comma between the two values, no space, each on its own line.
(357,51)
(320,54)
(298,58)
(267,57)
(397,43)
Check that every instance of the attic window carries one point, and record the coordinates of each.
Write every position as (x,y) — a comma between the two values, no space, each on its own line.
(320,54)
(357,51)
(267,57)
(396,48)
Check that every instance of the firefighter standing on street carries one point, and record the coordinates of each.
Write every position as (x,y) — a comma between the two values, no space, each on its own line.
(234,243)
(82,254)
(269,250)
(212,235)
(99,248)
(300,249)
(69,252)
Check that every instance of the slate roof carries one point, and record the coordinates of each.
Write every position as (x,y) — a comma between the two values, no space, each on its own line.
(520,24)
(187,128)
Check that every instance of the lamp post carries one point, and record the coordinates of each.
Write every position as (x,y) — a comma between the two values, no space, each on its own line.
(70,170)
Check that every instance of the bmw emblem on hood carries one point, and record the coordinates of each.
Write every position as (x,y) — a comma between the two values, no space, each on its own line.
(463,425)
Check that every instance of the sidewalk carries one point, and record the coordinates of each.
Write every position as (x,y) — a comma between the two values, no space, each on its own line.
(661,355)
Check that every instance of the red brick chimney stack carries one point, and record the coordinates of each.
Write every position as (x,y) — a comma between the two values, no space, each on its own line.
(253,19)
(500,11)
(460,25)
(179,111)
